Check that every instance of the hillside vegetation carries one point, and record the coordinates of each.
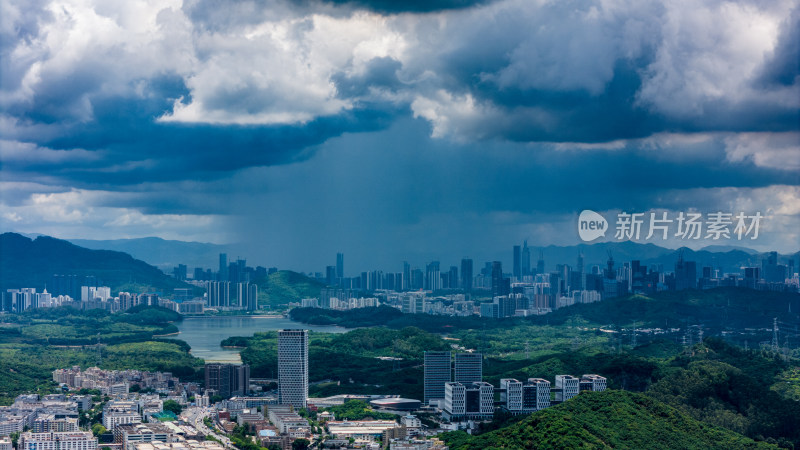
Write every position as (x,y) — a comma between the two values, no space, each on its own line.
(733,308)
(35,343)
(611,419)
(278,289)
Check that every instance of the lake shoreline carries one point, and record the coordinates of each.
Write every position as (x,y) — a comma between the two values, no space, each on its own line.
(258,316)
(204,334)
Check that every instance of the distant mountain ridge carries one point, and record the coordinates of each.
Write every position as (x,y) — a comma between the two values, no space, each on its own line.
(166,254)
(162,253)
(26,262)
(726,258)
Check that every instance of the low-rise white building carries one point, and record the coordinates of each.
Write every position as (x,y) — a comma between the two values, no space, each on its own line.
(468,401)
(568,387)
(593,382)
(57,441)
(535,395)
(511,394)
(363,429)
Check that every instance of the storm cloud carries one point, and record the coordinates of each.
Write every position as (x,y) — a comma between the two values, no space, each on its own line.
(487,112)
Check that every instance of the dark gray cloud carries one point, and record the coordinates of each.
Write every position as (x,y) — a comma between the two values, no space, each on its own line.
(572,71)
(408,6)
(783,67)
(351,123)
(421,200)
(379,73)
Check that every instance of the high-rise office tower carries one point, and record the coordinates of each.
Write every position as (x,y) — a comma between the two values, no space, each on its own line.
(685,274)
(293,367)
(438,367)
(526,259)
(466,274)
(65,285)
(406,276)
(540,263)
(330,275)
(223,267)
(433,280)
(248,296)
(452,278)
(218,294)
(581,274)
(417,278)
(228,379)
(468,368)
(340,265)
(517,270)
(500,285)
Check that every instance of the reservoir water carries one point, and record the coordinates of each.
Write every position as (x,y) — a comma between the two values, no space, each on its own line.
(205,333)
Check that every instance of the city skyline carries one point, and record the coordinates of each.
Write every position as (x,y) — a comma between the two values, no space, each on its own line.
(306,129)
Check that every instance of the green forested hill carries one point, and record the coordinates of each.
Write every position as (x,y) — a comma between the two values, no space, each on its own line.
(280,288)
(716,309)
(32,263)
(611,419)
(38,341)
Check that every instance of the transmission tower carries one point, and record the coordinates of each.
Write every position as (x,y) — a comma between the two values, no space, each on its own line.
(775,334)
(99,351)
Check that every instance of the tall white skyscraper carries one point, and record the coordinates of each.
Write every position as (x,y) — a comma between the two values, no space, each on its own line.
(293,367)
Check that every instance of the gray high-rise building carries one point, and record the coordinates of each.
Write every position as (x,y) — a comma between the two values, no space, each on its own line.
(330,275)
(248,296)
(500,285)
(218,294)
(526,259)
(228,379)
(517,269)
(433,280)
(452,278)
(685,274)
(438,367)
(340,265)
(540,263)
(466,274)
(222,275)
(468,368)
(293,367)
